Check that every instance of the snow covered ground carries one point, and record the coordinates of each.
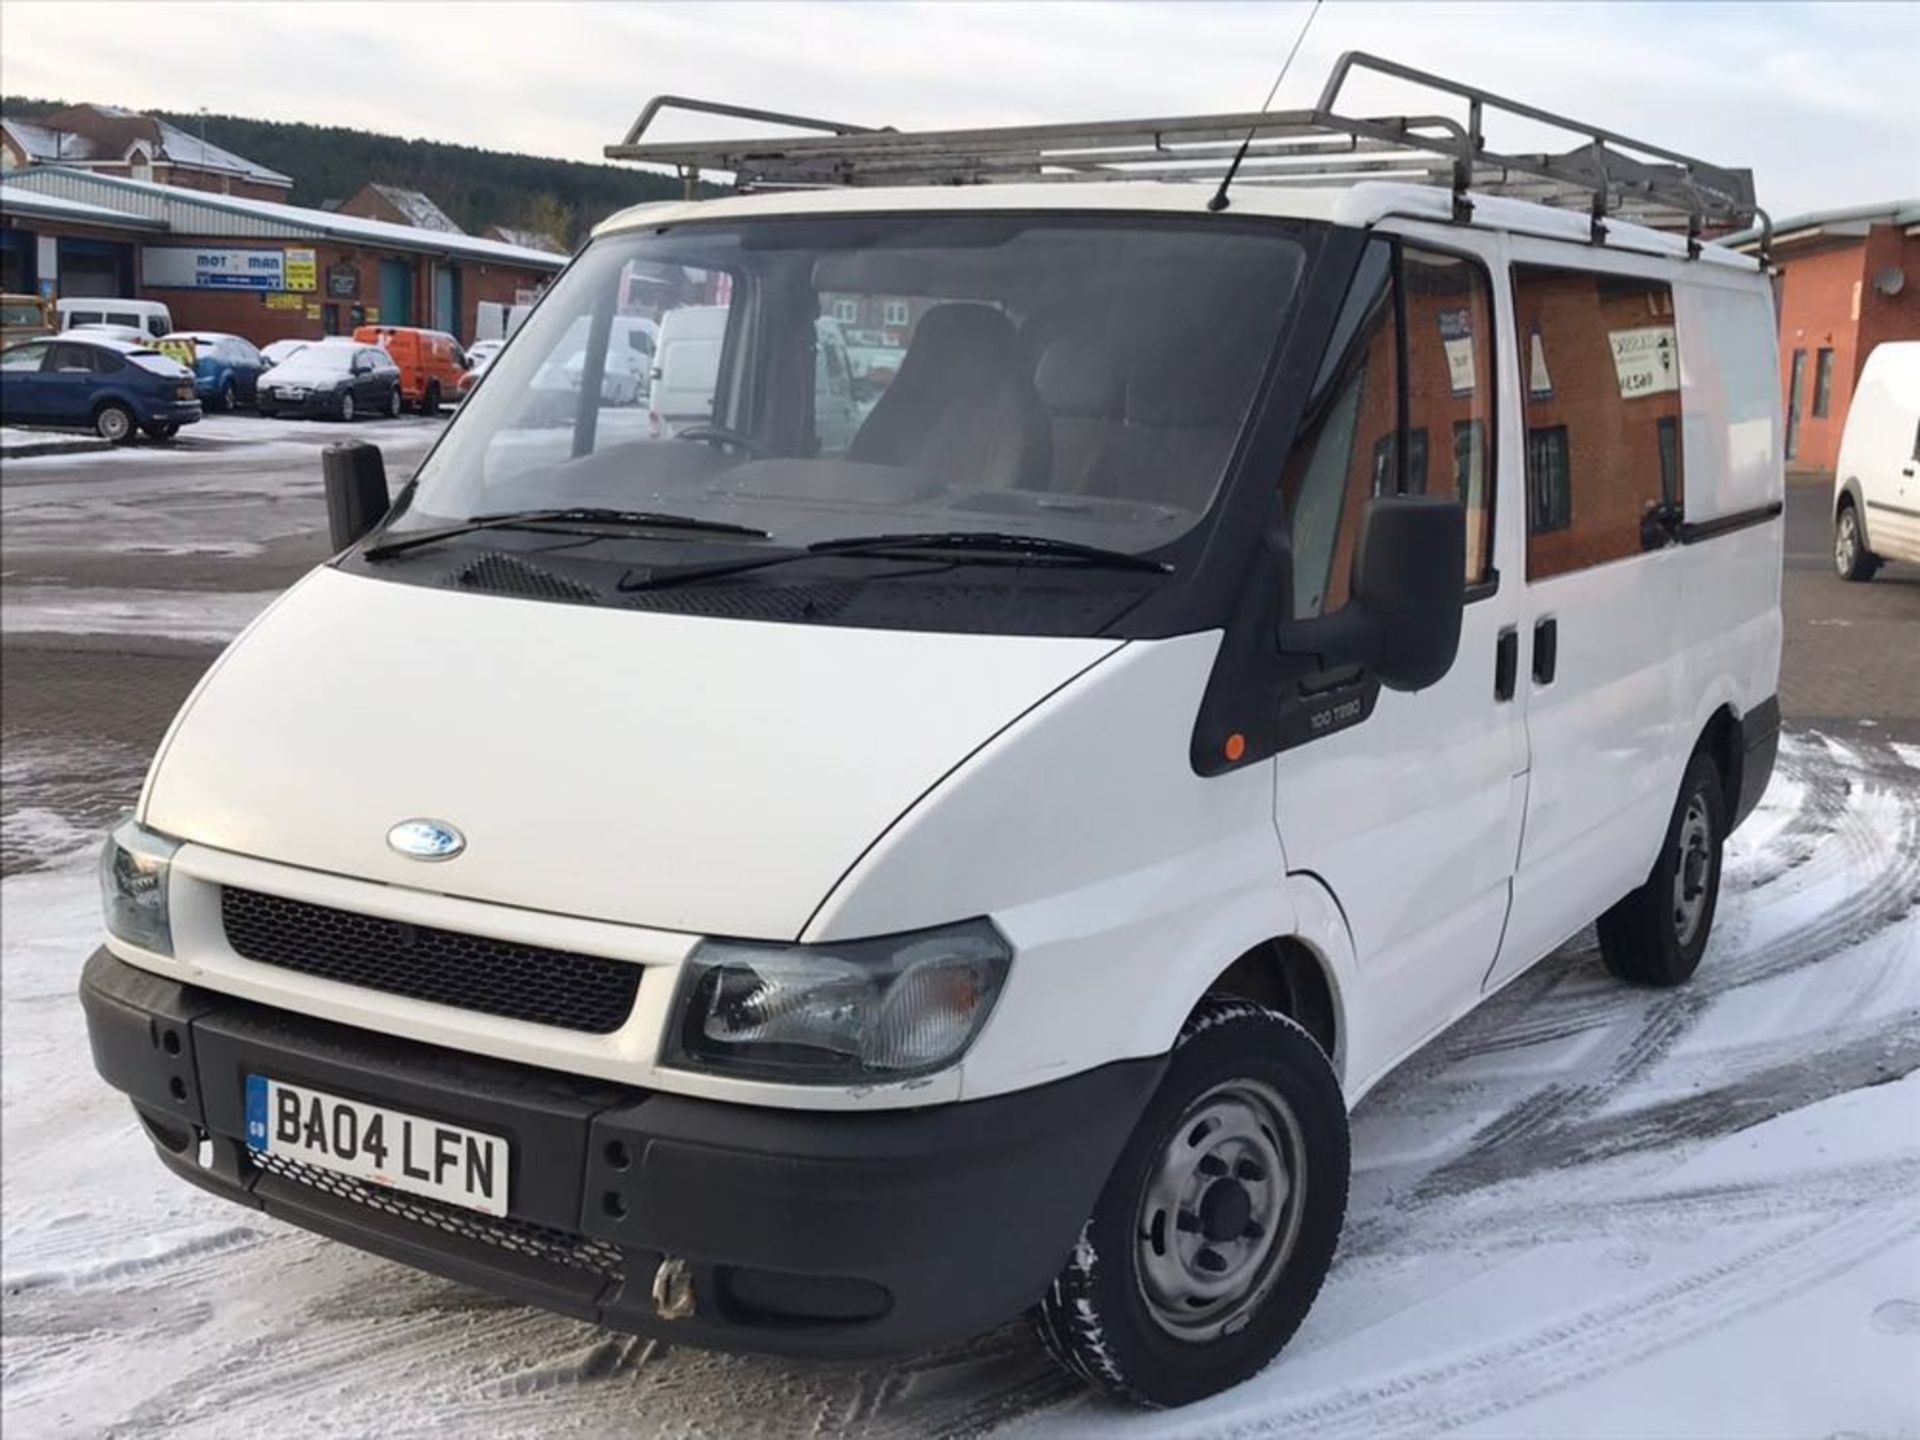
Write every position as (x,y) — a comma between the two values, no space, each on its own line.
(1583,1211)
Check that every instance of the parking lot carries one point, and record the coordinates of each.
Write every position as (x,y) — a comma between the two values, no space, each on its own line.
(1662,1182)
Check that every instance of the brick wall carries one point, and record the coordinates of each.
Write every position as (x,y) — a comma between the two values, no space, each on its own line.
(1828,301)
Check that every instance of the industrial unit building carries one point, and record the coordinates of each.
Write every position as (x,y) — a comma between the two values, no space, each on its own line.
(258,268)
(1849,280)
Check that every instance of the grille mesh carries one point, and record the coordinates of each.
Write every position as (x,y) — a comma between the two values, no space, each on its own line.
(748,602)
(521,1237)
(507,575)
(496,977)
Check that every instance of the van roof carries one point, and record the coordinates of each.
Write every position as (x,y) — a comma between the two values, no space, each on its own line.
(1325,163)
(1360,205)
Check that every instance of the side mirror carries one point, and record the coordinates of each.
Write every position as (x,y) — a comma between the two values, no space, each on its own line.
(356,476)
(1402,620)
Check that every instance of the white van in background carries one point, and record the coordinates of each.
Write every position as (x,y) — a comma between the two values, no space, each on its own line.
(845,900)
(1876,484)
(149,316)
(686,367)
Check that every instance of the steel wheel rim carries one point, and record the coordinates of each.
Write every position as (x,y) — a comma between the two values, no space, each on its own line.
(1692,870)
(1843,542)
(346,407)
(1221,1211)
(113,424)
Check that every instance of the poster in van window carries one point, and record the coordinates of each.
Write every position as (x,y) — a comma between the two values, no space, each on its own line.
(1456,337)
(188,267)
(302,270)
(1646,361)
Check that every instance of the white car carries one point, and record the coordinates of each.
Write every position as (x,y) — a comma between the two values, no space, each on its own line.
(116,334)
(281,351)
(830,904)
(1876,484)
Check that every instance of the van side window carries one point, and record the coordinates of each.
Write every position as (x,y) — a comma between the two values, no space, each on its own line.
(1600,378)
(1437,311)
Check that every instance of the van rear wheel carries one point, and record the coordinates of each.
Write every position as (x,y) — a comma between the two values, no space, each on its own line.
(1656,935)
(1851,557)
(1212,1236)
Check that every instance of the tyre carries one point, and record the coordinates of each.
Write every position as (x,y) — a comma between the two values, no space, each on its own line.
(113,421)
(227,400)
(346,405)
(393,403)
(166,430)
(1210,1241)
(1656,935)
(1851,557)
(431,404)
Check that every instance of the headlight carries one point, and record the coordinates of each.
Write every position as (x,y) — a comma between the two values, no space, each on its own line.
(870,1010)
(133,886)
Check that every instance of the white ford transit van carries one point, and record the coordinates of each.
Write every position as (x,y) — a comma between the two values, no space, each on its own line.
(1876,484)
(830,903)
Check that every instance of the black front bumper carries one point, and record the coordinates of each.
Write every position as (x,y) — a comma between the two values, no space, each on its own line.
(805,1232)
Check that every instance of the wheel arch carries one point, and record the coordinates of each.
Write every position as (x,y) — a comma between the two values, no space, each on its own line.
(1846,495)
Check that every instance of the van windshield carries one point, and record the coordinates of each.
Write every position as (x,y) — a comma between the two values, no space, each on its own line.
(1080,378)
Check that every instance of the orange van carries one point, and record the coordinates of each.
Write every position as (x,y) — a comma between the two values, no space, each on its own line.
(431,363)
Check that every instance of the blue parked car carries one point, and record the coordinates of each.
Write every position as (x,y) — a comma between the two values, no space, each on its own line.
(106,386)
(225,368)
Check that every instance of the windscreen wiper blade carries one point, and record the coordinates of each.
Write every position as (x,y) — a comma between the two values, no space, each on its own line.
(990,542)
(564,515)
(986,547)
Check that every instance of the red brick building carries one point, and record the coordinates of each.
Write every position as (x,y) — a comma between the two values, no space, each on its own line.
(398,206)
(106,140)
(1850,279)
(256,268)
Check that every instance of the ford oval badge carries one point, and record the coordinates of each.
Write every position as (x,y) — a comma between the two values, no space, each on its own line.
(426,840)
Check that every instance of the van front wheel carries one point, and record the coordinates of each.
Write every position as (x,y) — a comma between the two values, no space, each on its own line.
(1210,1241)
(1656,935)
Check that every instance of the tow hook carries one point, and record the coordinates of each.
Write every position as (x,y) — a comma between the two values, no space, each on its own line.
(673,1289)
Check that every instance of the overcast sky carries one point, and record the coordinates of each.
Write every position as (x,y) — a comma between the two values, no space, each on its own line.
(1821,100)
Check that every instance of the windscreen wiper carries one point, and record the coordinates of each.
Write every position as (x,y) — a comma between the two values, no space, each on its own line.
(990,542)
(566,515)
(980,547)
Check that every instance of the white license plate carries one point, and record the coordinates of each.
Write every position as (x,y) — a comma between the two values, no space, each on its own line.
(370,1142)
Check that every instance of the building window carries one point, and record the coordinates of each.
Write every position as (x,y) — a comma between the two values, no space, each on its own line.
(846,311)
(140,164)
(1549,480)
(1822,383)
(1385,456)
(1796,383)
(897,314)
(1669,435)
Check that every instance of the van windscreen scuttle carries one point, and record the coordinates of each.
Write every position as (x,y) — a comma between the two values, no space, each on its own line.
(1044,387)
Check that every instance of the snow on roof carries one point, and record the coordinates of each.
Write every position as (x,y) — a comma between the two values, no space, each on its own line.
(18,199)
(195,154)
(43,142)
(185,210)
(418,208)
(525,239)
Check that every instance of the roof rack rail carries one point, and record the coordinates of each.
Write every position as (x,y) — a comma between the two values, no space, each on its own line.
(1609,175)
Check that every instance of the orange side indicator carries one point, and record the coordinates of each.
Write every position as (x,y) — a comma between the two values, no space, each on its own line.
(1236,745)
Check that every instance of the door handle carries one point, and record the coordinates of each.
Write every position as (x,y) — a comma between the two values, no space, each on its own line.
(1506,663)
(1546,650)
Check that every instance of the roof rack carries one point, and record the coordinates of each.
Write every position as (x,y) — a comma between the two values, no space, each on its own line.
(1607,175)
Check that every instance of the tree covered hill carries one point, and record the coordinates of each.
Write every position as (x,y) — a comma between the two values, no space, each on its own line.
(561,198)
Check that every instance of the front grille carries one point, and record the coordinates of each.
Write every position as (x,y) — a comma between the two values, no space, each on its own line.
(520,1237)
(495,977)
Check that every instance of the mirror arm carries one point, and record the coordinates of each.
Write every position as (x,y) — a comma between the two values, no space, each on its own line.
(1349,636)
